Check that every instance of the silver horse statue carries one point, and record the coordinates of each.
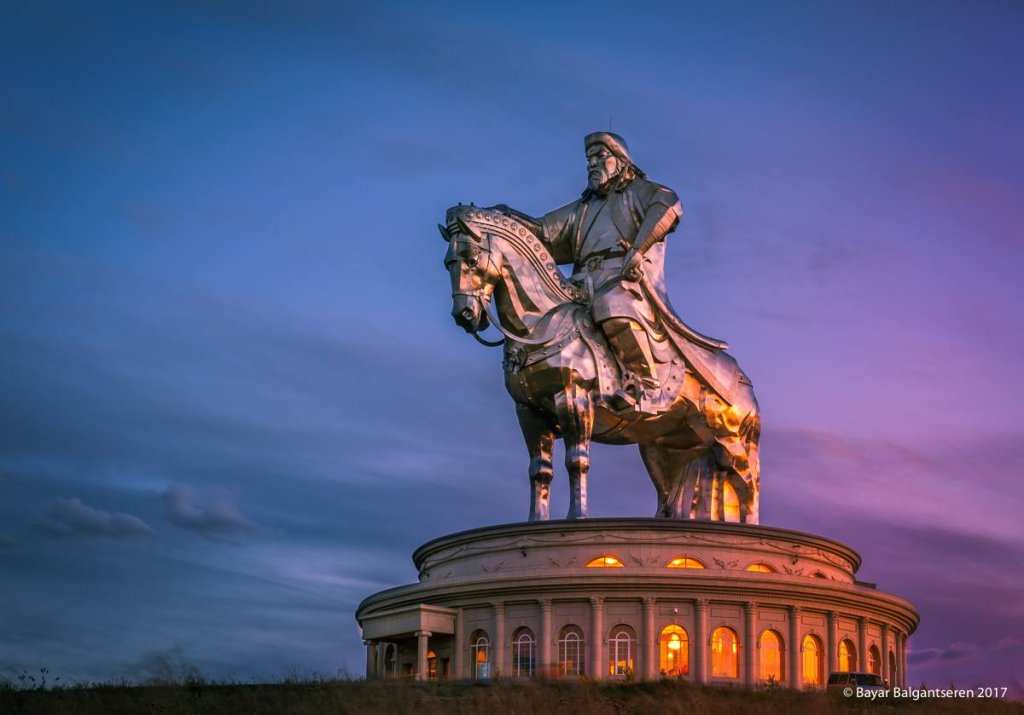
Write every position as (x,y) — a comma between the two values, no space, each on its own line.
(698,433)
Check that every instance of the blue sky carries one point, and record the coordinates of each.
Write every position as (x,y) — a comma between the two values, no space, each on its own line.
(233,399)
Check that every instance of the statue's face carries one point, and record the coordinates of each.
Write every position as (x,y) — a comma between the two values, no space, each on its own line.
(602,167)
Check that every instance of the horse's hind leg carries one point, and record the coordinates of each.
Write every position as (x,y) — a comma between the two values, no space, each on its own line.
(679,477)
(658,462)
(538,431)
(575,413)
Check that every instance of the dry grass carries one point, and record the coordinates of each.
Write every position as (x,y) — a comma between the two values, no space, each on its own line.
(521,698)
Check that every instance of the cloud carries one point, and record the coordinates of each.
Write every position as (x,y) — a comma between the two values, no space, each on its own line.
(218,515)
(68,517)
(1010,642)
(952,652)
(963,483)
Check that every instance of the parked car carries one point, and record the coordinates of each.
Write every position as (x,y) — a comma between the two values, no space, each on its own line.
(867,681)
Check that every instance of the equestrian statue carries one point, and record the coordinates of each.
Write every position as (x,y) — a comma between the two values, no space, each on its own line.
(602,356)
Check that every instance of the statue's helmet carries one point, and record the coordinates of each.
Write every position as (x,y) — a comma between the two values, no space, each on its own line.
(613,142)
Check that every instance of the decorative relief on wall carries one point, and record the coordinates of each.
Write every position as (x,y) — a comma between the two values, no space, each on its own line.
(645,562)
(794,552)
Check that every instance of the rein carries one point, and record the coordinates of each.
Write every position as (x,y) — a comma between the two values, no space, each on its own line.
(486,302)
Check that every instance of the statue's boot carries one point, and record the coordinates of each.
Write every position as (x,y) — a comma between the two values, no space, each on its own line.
(633,347)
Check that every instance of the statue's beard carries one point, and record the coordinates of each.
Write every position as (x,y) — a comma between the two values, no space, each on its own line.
(600,181)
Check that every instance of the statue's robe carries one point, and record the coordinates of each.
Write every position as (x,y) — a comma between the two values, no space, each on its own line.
(587,233)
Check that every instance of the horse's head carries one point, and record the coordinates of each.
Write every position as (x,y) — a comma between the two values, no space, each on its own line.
(473,267)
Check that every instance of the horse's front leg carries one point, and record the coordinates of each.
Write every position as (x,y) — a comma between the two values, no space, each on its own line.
(539,433)
(575,414)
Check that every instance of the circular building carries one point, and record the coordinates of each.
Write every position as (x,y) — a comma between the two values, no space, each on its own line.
(713,602)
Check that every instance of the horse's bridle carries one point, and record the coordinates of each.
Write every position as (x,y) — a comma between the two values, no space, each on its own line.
(483,295)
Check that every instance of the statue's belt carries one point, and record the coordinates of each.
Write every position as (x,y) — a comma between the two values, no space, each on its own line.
(596,262)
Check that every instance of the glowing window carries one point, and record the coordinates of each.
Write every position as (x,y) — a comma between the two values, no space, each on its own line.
(761,568)
(480,652)
(730,503)
(814,668)
(571,651)
(685,562)
(725,653)
(675,651)
(847,656)
(874,661)
(773,660)
(431,665)
(523,648)
(606,561)
(621,646)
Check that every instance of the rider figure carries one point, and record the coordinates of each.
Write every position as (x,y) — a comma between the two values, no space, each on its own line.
(620,208)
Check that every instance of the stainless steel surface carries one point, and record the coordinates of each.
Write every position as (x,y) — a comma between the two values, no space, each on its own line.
(602,356)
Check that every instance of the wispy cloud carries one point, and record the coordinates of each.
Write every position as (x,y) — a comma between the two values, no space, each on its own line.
(70,517)
(929,657)
(953,652)
(217,514)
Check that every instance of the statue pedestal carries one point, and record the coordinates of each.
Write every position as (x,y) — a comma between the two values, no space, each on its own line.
(713,602)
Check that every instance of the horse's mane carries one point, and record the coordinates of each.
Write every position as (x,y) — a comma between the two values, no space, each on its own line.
(482,221)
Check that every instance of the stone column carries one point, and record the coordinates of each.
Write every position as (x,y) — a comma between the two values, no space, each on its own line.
(749,645)
(421,654)
(498,647)
(701,647)
(650,641)
(794,647)
(862,644)
(832,661)
(884,665)
(459,665)
(371,659)
(596,664)
(903,658)
(545,638)
(899,676)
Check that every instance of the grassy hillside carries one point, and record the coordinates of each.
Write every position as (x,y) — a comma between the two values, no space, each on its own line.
(521,698)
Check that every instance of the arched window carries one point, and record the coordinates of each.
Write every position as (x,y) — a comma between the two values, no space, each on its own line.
(847,656)
(391,661)
(762,568)
(730,503)
(874,661)
(725,653)
(893,675)
(480,653)
(431,665)
(773,657)
(523,648)
(686,562)
(814,666)
(621,649)
(571,651)
(606,561)
(675,651)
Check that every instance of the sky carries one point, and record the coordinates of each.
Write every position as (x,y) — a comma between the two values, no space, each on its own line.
(232,398)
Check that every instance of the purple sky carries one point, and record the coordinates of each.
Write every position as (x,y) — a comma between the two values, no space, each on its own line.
(232,401)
